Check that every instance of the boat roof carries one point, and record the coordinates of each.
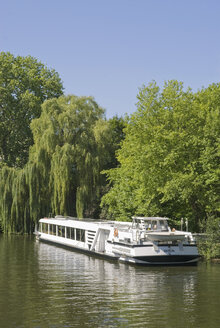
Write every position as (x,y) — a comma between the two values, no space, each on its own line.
(146,218)
(76,222)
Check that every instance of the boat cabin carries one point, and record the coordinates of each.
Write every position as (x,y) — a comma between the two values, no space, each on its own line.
(150,223)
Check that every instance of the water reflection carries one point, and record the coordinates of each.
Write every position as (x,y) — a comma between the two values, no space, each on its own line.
(47,286)
(110,290)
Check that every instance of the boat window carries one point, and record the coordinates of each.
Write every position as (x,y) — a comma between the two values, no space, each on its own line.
(61,231)
(54,229)
(148,225)
(82,237)
(163,224)
(45,227)
(77,234)
(72,233)
(154,225)
(68,232)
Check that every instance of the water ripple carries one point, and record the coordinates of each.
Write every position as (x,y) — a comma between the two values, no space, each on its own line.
(46,286)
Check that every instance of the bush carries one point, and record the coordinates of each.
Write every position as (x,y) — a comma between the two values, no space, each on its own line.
(210,247)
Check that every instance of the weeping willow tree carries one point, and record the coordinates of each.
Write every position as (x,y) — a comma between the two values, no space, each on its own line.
(70,150)
(72,145)
(14,205)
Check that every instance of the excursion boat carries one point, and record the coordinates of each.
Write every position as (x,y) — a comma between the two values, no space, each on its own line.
(144,241)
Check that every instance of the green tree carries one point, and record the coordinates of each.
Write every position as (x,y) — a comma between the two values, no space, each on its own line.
(62,175)
(73,144)
(209,246)
(69,153)
(169,160)
(116,136)
(25,84)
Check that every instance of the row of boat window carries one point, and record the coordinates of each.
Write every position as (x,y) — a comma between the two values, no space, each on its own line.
(61,231)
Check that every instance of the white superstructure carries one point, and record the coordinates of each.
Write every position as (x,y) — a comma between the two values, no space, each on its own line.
(145,240)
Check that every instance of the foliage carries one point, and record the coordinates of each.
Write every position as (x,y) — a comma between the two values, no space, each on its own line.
(73,143)
(25,84)
(210,246)
(117,126)
(169,159)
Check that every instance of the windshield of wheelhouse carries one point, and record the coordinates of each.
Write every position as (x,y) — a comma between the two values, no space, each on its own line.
(163,225)
(156,225)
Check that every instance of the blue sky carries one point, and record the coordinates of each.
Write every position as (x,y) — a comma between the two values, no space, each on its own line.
(109,48)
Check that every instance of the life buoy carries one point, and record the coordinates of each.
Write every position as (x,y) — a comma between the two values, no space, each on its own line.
(115,232)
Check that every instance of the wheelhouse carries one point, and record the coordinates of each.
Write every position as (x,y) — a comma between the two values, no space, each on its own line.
(150,224)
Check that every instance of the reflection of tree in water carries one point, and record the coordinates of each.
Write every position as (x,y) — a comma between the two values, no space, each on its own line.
(117,293)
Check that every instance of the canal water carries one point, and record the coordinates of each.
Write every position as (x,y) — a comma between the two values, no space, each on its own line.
(46,286)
